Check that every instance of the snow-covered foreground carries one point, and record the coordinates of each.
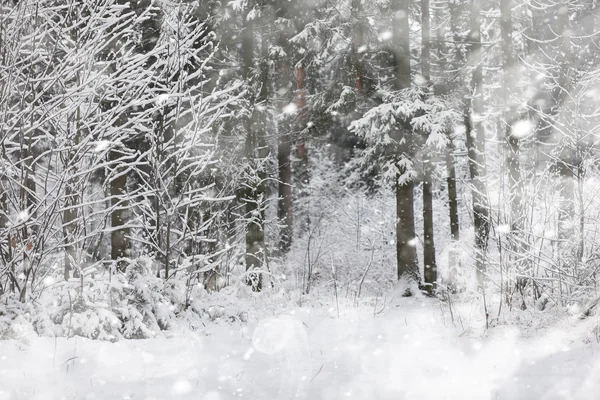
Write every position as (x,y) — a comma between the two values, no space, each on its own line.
(410,351)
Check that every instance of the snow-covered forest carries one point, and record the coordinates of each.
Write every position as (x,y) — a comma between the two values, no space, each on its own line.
(314,199)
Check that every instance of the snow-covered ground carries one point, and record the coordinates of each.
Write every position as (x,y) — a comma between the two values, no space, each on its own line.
(410,350)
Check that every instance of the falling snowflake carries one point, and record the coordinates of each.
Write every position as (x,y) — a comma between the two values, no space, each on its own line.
(504,228)
(387,35)
(522,129)
(290,109)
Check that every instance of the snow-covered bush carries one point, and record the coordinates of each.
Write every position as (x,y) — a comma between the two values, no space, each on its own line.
(133,305)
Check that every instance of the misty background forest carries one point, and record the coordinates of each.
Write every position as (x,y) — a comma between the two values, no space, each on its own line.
(287,186)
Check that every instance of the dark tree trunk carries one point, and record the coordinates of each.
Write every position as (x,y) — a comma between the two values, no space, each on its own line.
(285,204)
(453,256)
(285,209)
(120,214)
(302,169)
(429,262)
(255,152)
(452,194)
(406,255)
(357,42)
(5,237)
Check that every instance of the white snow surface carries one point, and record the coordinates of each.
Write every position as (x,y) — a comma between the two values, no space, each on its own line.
(408,350)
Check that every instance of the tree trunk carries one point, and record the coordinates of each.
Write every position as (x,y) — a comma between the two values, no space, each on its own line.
(515,180)
(476,150)
(566,163)
(357,43)
(455,9)
(69,226)
(72,201)
(119,217)
(429,263)
(513,162)
(255,152)
(452,194)
(5,237)
(285,209)
(120,214)
(406,255)
(302,170)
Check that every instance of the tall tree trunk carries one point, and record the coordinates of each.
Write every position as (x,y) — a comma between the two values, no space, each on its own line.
(71,202)
(29,203)
(285,209)
(566,163)
(357,43)
(302,170)
(5,237)
(513,164)
(255,148)
(455,11)
(120,214)
(429,263)
(406,254)
(453,256)
(476,149)
(515,180)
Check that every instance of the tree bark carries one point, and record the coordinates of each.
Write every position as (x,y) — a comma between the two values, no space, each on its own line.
(285,209)
(476,149)
(429,262)
(406,255)
(357,43)
(302,169)
(452,194)
(72,201)
(566,165)
(69,226)
(6,248)
(120,214)
(255,152)
(513,162)
(515,180)
(119,217)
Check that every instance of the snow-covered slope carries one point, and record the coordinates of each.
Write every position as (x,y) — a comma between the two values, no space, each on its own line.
(409,350)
